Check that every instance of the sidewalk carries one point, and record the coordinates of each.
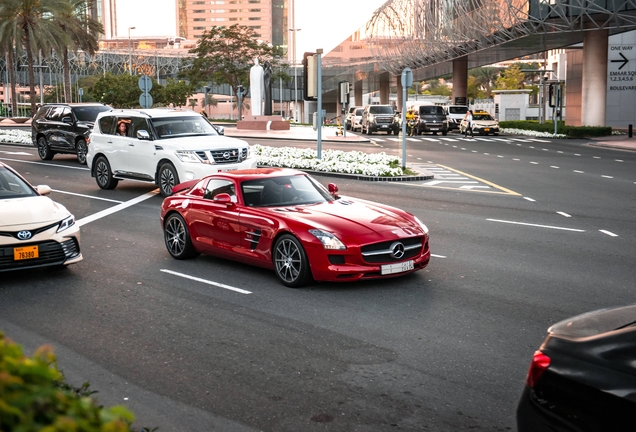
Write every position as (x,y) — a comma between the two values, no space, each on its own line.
(620,142)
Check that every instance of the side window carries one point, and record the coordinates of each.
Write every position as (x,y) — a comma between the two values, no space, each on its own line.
(138,123)
(67,114)
(216,187)
(42,113)
(55,114)
(107,125)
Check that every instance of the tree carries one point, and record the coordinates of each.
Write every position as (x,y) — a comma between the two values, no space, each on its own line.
(485,77)
(29,25)
(81,31)
(224,55)
(177,92)
(120,91)
(511,79)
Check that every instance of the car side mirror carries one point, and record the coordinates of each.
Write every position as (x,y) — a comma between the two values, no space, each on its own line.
(333,189)
(223,198)
(143,135)
(67,119)
(220,130)
(43,189)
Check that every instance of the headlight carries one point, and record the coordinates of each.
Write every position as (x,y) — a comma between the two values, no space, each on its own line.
(188,156)
(424,227)
(66,223)
(371,118)
(328,240)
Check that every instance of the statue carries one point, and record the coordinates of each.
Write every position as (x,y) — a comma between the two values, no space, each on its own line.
(256,88)
(267,76)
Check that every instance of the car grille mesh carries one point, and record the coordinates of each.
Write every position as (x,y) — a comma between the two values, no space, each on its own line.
(381,252)
(223,156)
(49,253)
(34,232)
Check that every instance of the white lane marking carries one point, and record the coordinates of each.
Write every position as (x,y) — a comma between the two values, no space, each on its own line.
(609,233)
(606,176)
(205,281)
(438,256)
(596,157)
(17,153)
(449,139)
(576,154)
(46,164)
(529,199)
(536,225)
(114,209)
(579,172)
(474,187)
(563,214)
(618,160)
(86,196)
(539,140)
(437,182)
(431,139)
(516,159)
(555,167)
(534,163)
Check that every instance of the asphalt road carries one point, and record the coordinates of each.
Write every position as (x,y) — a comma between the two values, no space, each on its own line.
(524,233)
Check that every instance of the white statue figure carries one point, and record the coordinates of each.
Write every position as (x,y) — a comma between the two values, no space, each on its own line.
(257,88)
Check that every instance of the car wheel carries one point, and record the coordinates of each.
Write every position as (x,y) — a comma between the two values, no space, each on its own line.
(103,174)
(80,150)
(168,177)
(445,133)
(290,262)
(177,238)
(44,151)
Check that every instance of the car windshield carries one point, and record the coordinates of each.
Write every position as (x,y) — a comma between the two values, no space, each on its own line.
(381,110)
(89,113)
(12,186)
(432,109)
(482,117)
(172,127)
(359,111)
(284,191)
(457,110)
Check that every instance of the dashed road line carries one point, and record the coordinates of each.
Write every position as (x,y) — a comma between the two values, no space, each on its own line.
(205,281)
(115,209)
(536,225)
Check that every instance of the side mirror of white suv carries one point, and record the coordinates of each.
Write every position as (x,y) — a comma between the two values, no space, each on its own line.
(143,135)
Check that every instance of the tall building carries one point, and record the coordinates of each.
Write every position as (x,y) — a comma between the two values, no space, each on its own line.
(268,18)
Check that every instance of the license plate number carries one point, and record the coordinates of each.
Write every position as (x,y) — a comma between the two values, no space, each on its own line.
(397,268)
(486,129)
(26,252)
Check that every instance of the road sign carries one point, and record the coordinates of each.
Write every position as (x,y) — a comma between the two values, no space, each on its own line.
(407,77)
(145,83)
(145,100)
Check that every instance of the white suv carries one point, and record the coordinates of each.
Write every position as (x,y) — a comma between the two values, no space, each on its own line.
(163,146)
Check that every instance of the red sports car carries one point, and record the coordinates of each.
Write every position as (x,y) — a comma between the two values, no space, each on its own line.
(285,220)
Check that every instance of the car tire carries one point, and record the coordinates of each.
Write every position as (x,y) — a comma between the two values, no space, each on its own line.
(104,175)
(177,238)
(80,150)
(167,178)
(290,262)
(44,151)
(445,133)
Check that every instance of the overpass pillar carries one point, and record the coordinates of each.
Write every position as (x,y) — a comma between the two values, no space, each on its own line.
(385,86)
(460,81)
(594,88)
(399,93)
(357,93)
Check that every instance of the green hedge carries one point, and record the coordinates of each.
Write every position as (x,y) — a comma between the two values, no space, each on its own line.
(33,397)
(548,126)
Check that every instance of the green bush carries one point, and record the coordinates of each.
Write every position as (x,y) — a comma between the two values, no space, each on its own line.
(548,126)
(33,397)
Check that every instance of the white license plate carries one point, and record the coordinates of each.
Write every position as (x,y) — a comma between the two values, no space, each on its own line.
(397,268)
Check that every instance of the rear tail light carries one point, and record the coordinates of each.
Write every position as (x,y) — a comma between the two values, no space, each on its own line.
(540,363)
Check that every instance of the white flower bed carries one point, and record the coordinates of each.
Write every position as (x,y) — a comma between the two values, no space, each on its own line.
(15,136)
(532,133)
(375,164)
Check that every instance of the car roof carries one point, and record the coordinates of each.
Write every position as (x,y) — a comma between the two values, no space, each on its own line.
(73,104)
(156,112)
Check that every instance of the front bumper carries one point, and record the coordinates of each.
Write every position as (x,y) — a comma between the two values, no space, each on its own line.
(191,171)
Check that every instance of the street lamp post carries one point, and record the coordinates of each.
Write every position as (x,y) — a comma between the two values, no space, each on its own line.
(130,50)
(295,30)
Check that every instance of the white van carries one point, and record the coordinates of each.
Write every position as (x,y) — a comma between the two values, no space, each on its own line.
(455,115)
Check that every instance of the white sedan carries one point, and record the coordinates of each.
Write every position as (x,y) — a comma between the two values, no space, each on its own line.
(35,231)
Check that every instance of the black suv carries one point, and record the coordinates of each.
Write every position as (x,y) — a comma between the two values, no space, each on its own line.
(64,128)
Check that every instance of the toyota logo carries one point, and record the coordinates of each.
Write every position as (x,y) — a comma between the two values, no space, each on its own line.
(397,250)
(226,155)
(24,235)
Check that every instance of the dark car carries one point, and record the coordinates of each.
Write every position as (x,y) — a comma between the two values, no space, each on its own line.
(583,377)
(377,118)
(432,119)
(64,128)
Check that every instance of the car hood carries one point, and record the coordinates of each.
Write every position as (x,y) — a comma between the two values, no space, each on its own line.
(485,123)
(24,213)
(202,142)
(352,217)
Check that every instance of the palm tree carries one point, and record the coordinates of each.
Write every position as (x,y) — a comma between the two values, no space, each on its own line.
(30,27)
(486,76)
(6,45)
(81,31)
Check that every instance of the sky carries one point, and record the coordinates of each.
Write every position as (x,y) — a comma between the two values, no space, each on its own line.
(324,26)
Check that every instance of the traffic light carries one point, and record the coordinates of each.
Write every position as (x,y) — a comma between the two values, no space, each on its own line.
(552,97)
(343,92)
(310,76)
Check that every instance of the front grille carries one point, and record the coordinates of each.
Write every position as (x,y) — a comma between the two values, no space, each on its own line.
(380,120)
(381,252)
(49,253)
(223,156)
(34,232)
(336,259)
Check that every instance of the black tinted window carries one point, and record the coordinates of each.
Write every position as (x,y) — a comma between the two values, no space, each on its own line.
(432,109)
(107,124)
(89,113)
(56,113)
(139,123)
(216,187)
(381,109)
(458,110)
